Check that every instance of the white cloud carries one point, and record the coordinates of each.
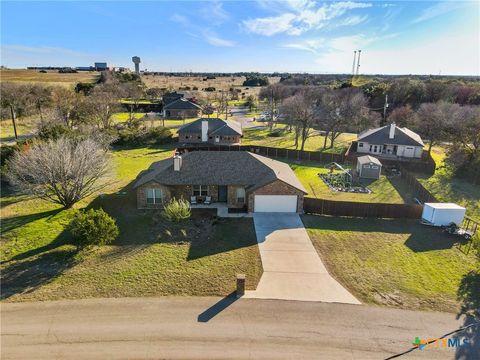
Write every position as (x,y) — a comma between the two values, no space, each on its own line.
(214,13)
(437,10)
(338,44)
(180,19)
(270,25)
(198,32)
(312,45)
(301,17)
(215,40)
(352,20)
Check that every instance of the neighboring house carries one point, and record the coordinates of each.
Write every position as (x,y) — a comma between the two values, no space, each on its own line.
(238,178)
(213,131)
(390,141)
(171,97)
(369,167)
(181,109)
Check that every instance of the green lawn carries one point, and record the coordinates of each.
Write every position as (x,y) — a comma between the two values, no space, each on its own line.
(261,136)
(392,262)
(124,116)
(24,127)
(151,257)
(384,190)
(446,187)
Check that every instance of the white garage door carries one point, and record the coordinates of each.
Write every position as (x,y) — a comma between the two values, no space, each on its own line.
(409,151)
(275,203)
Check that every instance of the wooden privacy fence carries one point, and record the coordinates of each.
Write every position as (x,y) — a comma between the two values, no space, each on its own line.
(290,154)
(359,209)
(416,187)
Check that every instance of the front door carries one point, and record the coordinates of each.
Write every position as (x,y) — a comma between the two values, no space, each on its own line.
(222,194)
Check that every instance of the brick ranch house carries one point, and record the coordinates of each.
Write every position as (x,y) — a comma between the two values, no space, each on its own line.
(212,131)
(181,109)
(391,141)
(238,178)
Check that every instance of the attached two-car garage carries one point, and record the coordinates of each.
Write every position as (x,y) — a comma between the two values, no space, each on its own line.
(275,203)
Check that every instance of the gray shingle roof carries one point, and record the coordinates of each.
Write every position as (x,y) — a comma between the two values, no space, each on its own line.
(220,168)
(366,159)
(182,104)
(402,136)
(216,126)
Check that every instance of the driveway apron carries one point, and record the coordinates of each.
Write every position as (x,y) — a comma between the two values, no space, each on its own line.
(292,267)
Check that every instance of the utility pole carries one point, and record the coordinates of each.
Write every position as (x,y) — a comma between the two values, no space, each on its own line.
(226,107)
(385,107)
(272,108)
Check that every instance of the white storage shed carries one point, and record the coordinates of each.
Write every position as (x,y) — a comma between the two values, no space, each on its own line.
(439,214)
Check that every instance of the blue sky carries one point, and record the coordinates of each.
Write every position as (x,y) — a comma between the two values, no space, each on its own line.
(396,37)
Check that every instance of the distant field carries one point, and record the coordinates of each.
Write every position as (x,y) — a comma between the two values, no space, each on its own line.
(52,77)
(220,83)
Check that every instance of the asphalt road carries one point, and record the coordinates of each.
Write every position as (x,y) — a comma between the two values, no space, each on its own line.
(213,328)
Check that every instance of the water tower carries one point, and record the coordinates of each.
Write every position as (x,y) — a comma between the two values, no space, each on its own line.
(136,61)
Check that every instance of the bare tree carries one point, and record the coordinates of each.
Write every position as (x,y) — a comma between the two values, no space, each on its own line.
(274,94)
(221,99)
(301,112)
(463,129)
(432,119)
(402,116)
(63,171)
(344,110)
(41,96)
(15,97)
(68,105)
(102,104)
(134,92)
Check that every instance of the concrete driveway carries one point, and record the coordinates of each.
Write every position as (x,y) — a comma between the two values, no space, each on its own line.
(292,267)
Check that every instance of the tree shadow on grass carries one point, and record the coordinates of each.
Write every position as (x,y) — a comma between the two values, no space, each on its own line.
(469,294)
(434,240)
(12,223)
(402,188)
(334,223)
(205,234)
(26,276)
(421,238)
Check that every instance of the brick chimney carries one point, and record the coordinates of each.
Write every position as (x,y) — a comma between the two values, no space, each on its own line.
(177,163)
(391,134)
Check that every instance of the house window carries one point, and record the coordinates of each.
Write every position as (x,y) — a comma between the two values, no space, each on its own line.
(210,137)
(374,167)
(186,136)
(154,196)
(360,144)
(240,195)
(200,190)
(199,137)
(366,166)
